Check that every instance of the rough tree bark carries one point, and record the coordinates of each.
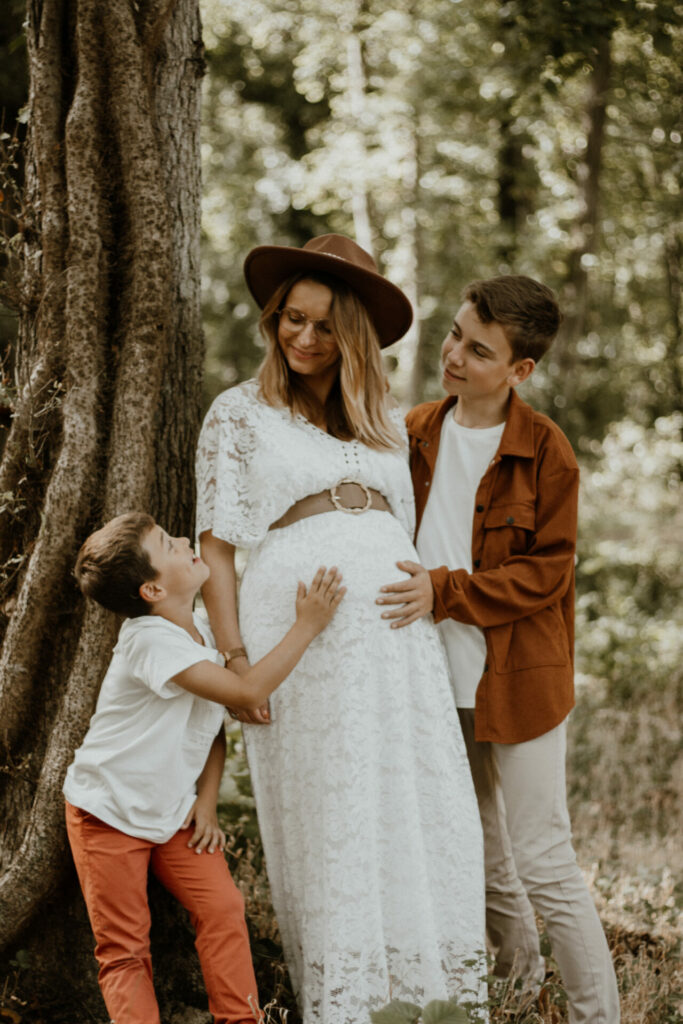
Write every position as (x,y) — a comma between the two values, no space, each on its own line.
(585,230)
(106,410)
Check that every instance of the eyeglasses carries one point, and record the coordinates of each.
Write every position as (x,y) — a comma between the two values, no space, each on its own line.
(294,322)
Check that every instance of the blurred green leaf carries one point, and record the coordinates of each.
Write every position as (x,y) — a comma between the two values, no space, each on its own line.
(444,1012)
(396,1012)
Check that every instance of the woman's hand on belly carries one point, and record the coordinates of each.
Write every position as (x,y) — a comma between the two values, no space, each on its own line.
(414,595)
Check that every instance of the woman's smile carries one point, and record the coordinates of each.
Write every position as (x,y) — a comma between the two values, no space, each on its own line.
(305,316)
(302,353)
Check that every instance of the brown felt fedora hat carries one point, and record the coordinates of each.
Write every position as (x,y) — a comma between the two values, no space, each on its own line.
(267,266)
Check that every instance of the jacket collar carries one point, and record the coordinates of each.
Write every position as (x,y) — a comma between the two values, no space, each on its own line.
(431,417)
(518,434)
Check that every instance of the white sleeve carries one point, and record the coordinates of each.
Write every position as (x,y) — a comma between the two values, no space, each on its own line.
(226,504)
(402,497)
(155,653)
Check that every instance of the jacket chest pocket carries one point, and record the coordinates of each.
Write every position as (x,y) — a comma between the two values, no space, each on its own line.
(508,530)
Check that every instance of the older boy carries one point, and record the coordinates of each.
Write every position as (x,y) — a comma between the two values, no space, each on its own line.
(151,764)
(496,487)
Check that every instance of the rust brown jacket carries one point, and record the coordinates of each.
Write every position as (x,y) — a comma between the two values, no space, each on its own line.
(521,590)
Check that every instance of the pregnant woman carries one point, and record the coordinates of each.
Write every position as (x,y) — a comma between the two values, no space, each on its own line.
(363,791)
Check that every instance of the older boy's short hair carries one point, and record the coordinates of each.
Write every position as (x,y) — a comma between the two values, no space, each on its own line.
(112,564)
(526,310)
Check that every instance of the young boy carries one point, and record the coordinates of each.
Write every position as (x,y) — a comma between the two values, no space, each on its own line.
(496,488)
(151,764)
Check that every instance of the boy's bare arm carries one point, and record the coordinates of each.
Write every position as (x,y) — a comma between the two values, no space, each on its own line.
(207,834)
(315,608)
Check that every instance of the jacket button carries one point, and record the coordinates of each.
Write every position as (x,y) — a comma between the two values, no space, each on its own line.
(480,508)
(510,520)
(427,483)
(425,444)
(477,563)
(486,667)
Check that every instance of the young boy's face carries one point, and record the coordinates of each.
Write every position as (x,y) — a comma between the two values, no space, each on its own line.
(180,571)
(476,358)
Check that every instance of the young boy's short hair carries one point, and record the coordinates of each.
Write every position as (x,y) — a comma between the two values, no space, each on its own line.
(112,564)
(526,310)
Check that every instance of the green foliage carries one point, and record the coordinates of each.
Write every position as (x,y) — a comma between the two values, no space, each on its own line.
(464,140)
(438,1011)
(625,735)
(21,960)
(13,70)
(397,1012)
(629,573)
(441,1011)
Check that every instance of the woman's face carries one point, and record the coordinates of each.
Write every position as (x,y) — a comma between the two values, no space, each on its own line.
(305,334)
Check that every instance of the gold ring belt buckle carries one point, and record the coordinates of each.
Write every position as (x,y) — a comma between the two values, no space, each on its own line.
(354,510)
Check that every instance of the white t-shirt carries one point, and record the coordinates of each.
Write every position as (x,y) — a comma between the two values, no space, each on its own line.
(445,538)
(149,739)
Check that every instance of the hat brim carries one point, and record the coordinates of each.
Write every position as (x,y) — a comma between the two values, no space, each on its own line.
(267,266)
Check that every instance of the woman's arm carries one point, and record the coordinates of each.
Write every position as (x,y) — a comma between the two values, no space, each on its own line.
(220,600)
(220,594)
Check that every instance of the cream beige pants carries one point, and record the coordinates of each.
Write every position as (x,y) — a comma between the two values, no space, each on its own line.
(531,866)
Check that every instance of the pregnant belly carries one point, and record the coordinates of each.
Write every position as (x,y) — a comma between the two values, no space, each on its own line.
(358,663)
(365,548)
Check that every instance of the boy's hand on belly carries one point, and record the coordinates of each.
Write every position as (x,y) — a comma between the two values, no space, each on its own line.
(414,595)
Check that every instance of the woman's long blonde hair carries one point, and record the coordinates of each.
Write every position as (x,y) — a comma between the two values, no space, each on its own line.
(358,403)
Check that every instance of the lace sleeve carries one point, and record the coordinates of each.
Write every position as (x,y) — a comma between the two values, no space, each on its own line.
(404,501)
(224,502)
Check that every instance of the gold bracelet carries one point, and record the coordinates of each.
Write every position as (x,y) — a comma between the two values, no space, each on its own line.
(236,652)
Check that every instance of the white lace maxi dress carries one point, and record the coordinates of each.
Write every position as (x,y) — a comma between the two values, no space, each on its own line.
(363,790)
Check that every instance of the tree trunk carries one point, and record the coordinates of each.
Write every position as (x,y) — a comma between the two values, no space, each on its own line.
(412,349)
(576,296)
(510,165)
(412,361)
(355,135)
(673,251)
(106,409)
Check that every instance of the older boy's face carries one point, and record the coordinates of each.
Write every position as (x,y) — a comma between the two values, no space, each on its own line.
(476,358)
(180,570)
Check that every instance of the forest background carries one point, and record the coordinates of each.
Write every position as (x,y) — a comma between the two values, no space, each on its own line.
(456,140)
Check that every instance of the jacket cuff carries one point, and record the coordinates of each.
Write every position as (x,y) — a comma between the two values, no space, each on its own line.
(439,578)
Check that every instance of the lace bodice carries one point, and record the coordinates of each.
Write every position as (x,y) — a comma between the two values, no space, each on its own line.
(254,461)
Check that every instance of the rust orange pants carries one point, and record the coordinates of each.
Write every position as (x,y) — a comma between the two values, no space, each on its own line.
(112,869)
